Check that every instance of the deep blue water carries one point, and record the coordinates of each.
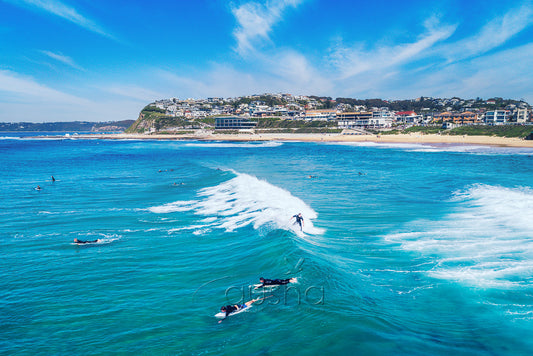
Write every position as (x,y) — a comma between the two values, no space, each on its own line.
(406,249)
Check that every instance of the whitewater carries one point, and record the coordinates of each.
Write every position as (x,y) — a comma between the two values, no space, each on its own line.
(406,248)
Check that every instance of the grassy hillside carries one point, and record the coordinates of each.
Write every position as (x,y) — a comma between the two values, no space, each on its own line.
(520,131)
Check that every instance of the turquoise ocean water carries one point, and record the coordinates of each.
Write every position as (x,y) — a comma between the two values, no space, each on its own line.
(407,249)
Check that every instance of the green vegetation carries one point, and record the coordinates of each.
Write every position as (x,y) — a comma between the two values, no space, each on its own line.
(275,122)
(152,117)
(476,130)
(175,132)
(501,131)
(226,132)
(424,129)
(266,99)
(299,130)
(72,126)
(152,109)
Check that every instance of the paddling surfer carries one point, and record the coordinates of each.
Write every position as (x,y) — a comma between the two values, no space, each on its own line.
(274,282)
(76,241)
(228,309)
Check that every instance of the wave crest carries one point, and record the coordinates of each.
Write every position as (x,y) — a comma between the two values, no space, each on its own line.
(246,200)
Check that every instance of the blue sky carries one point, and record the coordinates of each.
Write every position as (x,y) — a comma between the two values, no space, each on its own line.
(65,60)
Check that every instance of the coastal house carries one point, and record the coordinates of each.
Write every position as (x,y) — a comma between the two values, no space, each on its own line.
(522,115)
(234,123)
(381,117)
(354,120)
(321,115)
(497,117)
(458,119)
(407,117)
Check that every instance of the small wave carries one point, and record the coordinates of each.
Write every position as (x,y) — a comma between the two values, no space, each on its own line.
(443,147)
(243,201)
(268,144)
(486,243)
(382,144)
(173,207)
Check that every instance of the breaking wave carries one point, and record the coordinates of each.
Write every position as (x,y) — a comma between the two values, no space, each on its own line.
(245,201)
(488,242)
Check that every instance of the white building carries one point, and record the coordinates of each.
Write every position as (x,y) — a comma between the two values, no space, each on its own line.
(321,115)
(497,117)
(522,115)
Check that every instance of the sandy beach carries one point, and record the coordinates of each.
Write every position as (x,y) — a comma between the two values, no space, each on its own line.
(400,138)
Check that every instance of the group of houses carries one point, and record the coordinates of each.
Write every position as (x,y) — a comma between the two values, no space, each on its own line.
(384,118)
(242,112)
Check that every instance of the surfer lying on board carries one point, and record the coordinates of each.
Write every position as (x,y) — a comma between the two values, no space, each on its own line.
(299,220)
(229,309)
(76,241)
(274,282)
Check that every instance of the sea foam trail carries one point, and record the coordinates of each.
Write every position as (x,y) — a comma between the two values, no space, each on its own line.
(488,242)
(443,147)
(267,144)
(246,200)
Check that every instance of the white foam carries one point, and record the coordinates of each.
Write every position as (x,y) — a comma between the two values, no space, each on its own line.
(243,201)
(172,207)
(487,242)
(443,147)
(267,144)
(382,144)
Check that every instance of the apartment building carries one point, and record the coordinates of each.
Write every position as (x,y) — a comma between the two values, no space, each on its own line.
(497,117)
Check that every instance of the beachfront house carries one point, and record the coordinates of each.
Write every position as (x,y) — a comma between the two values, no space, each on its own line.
(497,117)
(457,119)
(354,120)
(408,117)
(321,115)
(234,123)
(522,115)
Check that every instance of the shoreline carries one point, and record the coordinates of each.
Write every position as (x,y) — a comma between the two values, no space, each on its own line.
(399,138)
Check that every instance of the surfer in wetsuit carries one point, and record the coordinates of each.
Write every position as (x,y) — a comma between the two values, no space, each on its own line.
(228,309)
(299,220)
(85,242)
(274,282)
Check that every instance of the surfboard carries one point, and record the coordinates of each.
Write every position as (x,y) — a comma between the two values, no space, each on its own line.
(221,315)
(271,287)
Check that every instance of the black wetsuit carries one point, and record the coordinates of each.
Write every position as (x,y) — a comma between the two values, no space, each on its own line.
(299,220)
(274,282)
(233,308)
(86,242)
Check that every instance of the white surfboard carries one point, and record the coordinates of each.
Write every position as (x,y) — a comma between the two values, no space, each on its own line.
(221,315)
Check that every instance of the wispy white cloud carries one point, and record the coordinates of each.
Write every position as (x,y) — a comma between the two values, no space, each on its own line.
(63,59)
(494,34)
(134,92)
(22,98)
(15,84)
(69,13)
(354,60)
(295,76)
(255,22)
(505,73)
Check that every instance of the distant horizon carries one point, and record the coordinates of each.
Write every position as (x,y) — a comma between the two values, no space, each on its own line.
(63,60)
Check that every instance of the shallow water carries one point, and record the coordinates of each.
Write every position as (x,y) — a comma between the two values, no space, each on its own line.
(406,249)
